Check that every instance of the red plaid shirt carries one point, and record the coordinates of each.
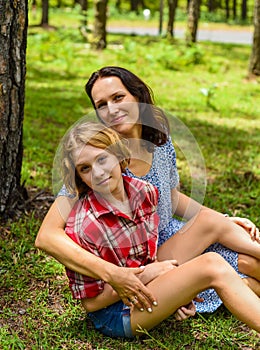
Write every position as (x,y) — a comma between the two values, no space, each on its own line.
(103,230)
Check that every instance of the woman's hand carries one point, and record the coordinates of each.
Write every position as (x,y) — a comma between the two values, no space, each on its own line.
(187,311)
(248,225)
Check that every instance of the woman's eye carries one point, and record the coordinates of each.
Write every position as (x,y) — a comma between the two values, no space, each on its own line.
(119,98)
(101,106)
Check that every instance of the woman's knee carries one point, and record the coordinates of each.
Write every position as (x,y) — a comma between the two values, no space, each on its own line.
(248,265)
(213,222)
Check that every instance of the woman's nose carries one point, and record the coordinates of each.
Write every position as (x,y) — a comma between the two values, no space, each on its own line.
(112,108)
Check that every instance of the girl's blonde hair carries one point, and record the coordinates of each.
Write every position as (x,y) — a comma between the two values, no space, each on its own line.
(93,134)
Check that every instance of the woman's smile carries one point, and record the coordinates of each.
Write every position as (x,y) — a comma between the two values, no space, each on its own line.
(115,105)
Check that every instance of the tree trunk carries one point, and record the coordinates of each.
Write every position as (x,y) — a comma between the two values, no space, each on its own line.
(161,16)
(172,6)
(193,20)
(244,10)
(118,5)
(254,65)
(135,4)
(84,10)
(212,5)
(13,39)
(227,9)
(99,32)
(45,13)
(234,9)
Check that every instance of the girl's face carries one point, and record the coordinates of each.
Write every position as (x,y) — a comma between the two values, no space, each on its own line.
(116,106)
(99,170)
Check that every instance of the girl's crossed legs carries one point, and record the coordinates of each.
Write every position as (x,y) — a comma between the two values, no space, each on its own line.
(180,285)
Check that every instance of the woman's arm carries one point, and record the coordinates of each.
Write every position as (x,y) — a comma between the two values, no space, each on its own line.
(109,296)
(53,239)
(187,208)
(150,272)
(184,206)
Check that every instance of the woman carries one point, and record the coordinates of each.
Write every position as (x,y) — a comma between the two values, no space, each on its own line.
(115,218)
(124,101)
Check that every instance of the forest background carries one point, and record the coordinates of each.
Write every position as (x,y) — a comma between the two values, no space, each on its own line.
(204,85)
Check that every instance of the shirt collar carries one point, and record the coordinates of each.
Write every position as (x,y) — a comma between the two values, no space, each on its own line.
(133,188)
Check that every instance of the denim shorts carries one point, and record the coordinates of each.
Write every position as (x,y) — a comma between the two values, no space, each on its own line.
(113,321)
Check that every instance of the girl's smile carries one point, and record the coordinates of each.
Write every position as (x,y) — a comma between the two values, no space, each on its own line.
(100,170)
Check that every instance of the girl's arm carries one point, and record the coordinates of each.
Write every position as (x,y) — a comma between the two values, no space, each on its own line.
(104,299)
(53,239)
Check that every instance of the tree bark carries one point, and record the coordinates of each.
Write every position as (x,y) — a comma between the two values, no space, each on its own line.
(227,9)
(135,4)
(234,9)
(161,16)
(45,13)
(193,20)
(13,40)
(254,65)
(99,32)
(172,6)
(244,10)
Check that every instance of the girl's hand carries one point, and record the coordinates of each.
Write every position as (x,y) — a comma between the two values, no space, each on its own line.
(248,225)
(151,271)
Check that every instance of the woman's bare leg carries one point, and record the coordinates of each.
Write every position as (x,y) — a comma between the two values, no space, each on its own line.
(206,228)
(179,286)
(250,266)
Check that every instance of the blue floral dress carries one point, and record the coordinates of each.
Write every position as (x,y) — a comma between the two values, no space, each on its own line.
(164,175)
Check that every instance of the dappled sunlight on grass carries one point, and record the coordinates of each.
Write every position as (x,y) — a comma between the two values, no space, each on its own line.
(37,309)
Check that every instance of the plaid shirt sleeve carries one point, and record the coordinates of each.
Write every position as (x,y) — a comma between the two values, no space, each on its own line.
(108,234)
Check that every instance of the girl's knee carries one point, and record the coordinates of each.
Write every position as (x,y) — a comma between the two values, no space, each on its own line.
(213,261)
(216,266)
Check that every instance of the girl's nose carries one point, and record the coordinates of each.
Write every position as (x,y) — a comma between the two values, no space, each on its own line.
(97,171)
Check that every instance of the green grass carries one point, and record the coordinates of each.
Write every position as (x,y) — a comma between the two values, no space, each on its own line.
(37,309)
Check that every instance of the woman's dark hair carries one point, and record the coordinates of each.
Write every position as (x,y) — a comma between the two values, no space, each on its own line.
(155,125)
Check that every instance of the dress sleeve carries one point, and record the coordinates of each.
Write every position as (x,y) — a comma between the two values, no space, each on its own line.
(64,192)
(174,175)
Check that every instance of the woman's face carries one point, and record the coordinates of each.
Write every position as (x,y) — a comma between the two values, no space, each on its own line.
(116,107)
(99,170)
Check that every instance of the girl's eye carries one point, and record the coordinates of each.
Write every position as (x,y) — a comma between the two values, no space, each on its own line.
(102,159)
(84,169)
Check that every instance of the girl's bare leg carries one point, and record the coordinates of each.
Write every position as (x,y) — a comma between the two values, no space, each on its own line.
(180,285)
(199,233)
